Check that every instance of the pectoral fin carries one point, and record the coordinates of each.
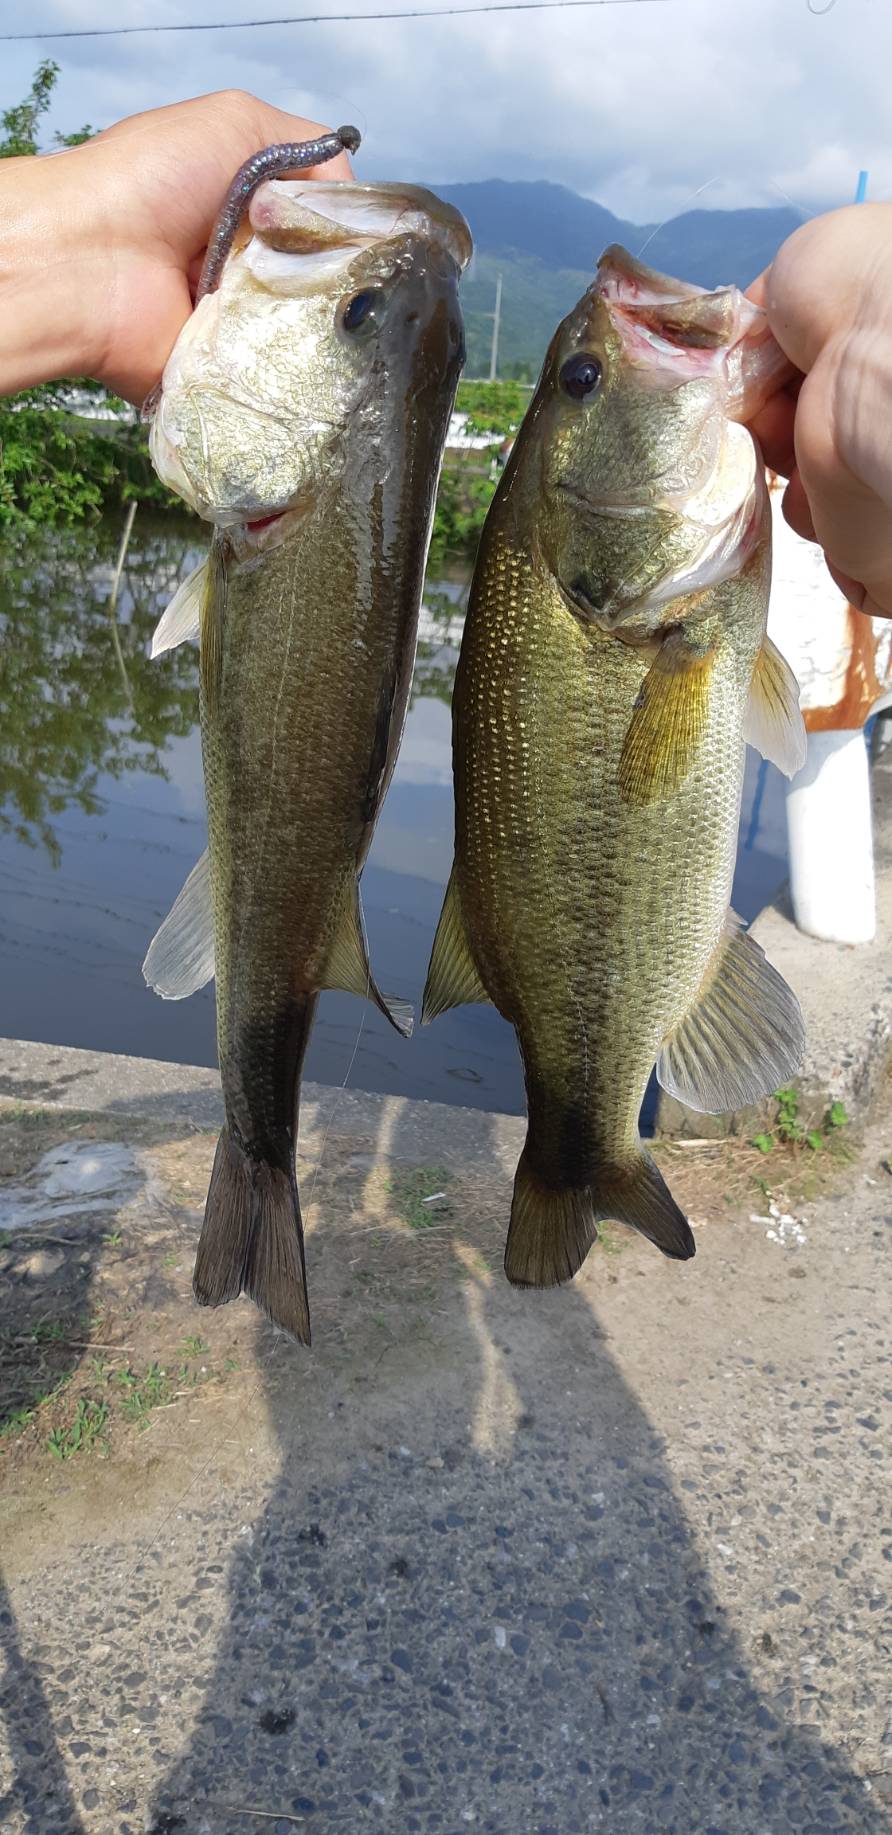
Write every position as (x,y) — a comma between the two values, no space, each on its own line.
(348,965)
(668,722)
(774,723)
(180,958)
(182,621)
(452,979)
(742,1039)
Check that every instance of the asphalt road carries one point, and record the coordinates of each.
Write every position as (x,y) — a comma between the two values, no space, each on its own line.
(616,1559)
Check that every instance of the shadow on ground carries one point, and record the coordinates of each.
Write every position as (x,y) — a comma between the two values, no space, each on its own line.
(470,1597)
(498,1617)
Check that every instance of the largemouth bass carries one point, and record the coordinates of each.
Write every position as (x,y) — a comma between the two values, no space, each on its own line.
(303,411)
(613,664)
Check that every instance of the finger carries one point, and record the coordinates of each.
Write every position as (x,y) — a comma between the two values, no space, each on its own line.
(182,159)
(851,521)
(756,289)
(797,509)
(773,428)
(821,274)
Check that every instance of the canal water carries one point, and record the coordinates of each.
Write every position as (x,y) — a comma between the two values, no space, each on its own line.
(102,816)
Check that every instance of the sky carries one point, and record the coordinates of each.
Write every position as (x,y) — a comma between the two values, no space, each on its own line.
(653,107)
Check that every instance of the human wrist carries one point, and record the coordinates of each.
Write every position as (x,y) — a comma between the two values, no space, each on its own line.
(51,259)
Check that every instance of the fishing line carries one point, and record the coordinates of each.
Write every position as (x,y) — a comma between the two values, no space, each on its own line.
(678,213)
(250,25)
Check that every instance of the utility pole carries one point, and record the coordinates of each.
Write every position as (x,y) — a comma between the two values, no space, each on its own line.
(496,319)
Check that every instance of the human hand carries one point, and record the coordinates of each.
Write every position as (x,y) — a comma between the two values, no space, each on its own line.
(828,294)
(101,244)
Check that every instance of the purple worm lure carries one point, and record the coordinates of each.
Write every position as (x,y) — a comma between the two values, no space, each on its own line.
(270,162)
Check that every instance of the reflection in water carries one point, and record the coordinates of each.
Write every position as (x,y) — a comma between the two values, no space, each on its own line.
(102,817)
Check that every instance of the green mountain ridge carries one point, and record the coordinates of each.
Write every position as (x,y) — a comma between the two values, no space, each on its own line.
(545,239)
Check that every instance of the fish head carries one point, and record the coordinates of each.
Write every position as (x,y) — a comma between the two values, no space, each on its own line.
(337,302)
(649,483)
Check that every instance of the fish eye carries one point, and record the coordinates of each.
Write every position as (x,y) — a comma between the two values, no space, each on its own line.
(362,313)
(580,376)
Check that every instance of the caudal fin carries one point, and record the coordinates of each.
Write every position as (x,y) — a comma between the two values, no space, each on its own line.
(252,1240)
(552,1229)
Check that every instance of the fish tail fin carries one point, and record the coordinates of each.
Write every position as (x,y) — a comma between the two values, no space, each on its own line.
(553,1228)
(252,1240)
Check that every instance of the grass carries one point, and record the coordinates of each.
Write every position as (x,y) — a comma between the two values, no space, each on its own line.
(419,1197)
(143,1393)
(608,1240)
(85,1431)
(50,1331)
(195,1345)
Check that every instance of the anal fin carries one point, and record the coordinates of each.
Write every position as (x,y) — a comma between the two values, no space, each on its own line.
(348,966)
(743,1037)
(452,977)
(774,723)
(668,721)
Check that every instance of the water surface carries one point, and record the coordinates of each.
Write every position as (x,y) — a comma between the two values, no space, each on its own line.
(102,817)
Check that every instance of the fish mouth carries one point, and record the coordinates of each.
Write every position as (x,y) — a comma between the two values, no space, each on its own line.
(263,522)
(326,223)
(674,332)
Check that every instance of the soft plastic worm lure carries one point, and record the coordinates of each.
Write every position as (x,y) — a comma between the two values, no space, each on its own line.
(270,162)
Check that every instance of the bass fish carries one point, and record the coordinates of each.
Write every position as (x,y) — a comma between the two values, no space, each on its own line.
(613,665)
(303,411)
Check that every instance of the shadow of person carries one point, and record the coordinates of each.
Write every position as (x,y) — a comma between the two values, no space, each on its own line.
(37,1796)
(473,1595)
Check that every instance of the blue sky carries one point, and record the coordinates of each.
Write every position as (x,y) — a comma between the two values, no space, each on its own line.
(643,106)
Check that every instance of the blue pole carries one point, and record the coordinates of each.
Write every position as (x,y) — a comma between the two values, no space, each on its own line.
(861,188)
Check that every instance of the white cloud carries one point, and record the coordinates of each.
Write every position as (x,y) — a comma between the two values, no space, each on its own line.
(640,106)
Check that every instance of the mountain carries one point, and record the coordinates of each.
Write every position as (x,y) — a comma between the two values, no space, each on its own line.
(544,240)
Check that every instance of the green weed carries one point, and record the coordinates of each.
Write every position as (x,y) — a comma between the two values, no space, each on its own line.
(143,1393)
(48,1331)
(419,1197)
(14,1422)
(113,1239)
(86,1430)
(611,1243)
(790,1129)
(194,1345)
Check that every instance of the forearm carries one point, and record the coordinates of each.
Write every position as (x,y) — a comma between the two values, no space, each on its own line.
(50,256)
(99,244)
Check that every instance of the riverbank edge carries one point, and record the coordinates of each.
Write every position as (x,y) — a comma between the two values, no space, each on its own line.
(846,996)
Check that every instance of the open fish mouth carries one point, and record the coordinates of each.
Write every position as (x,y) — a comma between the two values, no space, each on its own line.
(325,223)
(675,332)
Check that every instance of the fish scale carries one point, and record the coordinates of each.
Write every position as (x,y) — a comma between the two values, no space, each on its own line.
(303,411)
(599,720)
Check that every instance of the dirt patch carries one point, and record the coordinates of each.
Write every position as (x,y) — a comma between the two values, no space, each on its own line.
(112,1380)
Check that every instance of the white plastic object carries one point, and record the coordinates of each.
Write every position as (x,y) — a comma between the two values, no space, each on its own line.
(830,834)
